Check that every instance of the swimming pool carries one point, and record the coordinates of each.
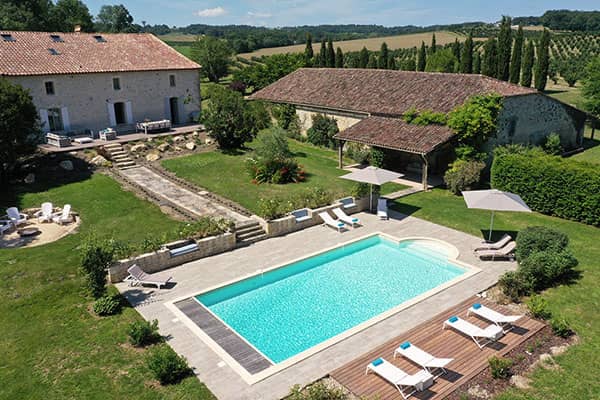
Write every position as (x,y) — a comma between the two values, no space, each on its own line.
(290,309)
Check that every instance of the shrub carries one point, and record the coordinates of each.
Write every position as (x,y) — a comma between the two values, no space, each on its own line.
(535,239)
(96,257)
(538,306)
(270,208)
(322,131)
(552,145)
(551,185)
(358,152)
(561,327)
(500,367)
(361,189)
(476,120)
(546,268)
(204,227)
(515,285)
(463,175)
(142,333)
(314,197)
(166,365)
(317,391)
(109,304)
(285,114)
(262,118)
(377,157)
(272,161)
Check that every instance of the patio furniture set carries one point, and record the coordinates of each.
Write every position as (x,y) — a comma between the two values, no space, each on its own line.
(14,218)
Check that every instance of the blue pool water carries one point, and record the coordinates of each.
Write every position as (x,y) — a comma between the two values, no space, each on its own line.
(291,309)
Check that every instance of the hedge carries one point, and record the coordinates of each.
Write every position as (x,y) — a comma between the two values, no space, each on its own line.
(551,185)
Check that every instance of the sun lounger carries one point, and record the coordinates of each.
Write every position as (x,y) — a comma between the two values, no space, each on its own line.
(382,209)
(422,358)
(63,217)
(327,220)
(495,246)
(345,218)
(16,217)
(45,214)
(481,337)
(139,277)
(400,379)
(505,252)
(503,321)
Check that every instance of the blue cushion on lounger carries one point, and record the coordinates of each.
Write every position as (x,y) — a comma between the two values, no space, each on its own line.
(476,306)
(453,319)
(377,362)
(354,219)
(405,345)
(341,224)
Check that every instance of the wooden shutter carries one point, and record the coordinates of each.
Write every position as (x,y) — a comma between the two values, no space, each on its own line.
(112,119)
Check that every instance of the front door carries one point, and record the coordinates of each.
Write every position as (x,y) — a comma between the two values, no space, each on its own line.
(120,114)
(174,106)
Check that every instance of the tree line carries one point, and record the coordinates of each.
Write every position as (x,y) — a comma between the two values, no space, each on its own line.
(566,20)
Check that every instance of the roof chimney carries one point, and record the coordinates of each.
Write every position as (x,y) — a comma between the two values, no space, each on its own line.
(77,28)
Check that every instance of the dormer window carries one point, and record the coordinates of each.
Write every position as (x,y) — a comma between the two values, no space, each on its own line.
(99,38)
(7,37)
(54,52)
(56,38)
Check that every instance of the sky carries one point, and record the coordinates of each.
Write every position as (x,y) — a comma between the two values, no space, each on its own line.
(275,13)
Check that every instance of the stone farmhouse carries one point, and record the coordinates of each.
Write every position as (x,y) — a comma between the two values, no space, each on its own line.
(368,105)
(86,81)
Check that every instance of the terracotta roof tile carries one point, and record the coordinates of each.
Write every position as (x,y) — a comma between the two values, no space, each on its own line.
(382,92)
(394,133)
(80,53)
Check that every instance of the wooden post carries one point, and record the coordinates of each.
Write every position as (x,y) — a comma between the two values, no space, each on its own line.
(341,154)
(593,128)
(425,172)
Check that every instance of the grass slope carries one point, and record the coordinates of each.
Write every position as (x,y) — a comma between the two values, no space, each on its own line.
(579,302)
(51,346)
(226,174)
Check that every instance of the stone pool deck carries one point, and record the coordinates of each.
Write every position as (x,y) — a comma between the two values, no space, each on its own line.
(202,274)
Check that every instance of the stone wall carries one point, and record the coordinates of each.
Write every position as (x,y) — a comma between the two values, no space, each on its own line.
(161,260)
(344,121)
(86,97)
(283,226)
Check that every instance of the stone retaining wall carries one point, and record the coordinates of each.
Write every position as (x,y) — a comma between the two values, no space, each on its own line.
(162,259)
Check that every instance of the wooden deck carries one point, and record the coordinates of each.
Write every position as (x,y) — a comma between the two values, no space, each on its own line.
(469,360)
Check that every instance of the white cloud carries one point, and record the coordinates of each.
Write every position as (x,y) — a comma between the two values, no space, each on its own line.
(212,12)
(259,14)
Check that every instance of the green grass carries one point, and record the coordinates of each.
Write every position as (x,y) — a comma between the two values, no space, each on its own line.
(579,302)
(592,147)
(51,345)
(226,174)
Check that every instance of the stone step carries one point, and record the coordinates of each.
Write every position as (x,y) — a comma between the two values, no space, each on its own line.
(253,239)
(117,153)
(122,157)
(241,237)
(246,224)
(129,167)
(247,227)
(113,146)
(125,164)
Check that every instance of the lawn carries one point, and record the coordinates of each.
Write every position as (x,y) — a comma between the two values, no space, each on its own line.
(225,174)
(51,345)
(580,302)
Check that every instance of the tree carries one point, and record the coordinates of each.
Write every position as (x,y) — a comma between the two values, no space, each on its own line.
(115,19)
(441,61)
(363,58)
(571,72)
(330,59)
(382,62)
(228,118)
(322,131)
(372,64)
(466,59)
(68,13)
(26,15)
(391,63)
(323,55)
(19,126)
(515,62)
(308,51)
(543,61)
(339,58)
(408,65)
(477,63)
(528,60)
(504,47)
(591,87)
(456,49)
(214,55)
(433,48)
(490,58)
(422,58)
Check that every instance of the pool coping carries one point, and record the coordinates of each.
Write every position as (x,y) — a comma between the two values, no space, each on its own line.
(250,379)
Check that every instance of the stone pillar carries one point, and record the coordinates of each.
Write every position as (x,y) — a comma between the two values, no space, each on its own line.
(425,171)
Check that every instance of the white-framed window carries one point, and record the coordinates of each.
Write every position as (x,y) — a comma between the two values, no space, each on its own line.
(55,121)
(49,85)
(172,81)
(116,83)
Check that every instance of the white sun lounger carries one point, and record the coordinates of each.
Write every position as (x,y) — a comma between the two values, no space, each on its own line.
(481,337)
(63,217)
(16,217)
(400,379)
(503,321)
(422,358)
(327,220)
(139,277)
(342,216)
(382,209)
(496,245)
(45,214)
(505,252)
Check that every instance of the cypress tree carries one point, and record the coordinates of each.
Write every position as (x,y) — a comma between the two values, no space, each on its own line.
(543,62)
(456,49)
(391,63)
(339,58)
(363,58)
(466,59)
(477,63)
(308,51)
(433,44)
(504,46)
(323,55)
(489,64)
(382,62)
(422,58)
(528,58)
(372,64)
(330,59)
(515,61)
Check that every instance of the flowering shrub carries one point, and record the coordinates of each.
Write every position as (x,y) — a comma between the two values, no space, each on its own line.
(272,161)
